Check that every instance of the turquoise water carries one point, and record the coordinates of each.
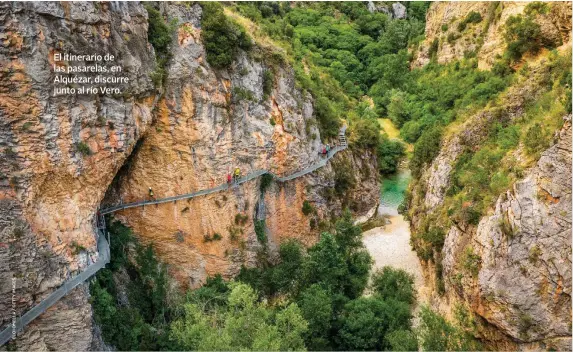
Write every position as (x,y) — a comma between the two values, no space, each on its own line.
(392,192)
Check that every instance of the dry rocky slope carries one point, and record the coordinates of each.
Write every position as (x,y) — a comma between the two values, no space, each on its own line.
(485,38)
(184,141)
(521,293)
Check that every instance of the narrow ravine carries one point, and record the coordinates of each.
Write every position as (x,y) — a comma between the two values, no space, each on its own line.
(390,244)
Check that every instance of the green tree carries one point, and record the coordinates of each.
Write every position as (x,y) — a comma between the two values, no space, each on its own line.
(394,283)
(366,321)
(222,37)
(317,308)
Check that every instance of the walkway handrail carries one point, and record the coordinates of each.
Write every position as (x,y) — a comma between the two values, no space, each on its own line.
(225,186)
(104,256)
(67,286)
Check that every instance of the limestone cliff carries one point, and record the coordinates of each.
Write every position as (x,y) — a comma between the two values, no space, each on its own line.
(210,122)
(512,268)
(61,154)
(485,38)
(49,190)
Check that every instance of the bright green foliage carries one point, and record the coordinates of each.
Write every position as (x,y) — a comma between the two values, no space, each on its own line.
(402,340)
(437,334)
(366,321)
(240,323)
(393,283)
(222,37)
(317,308)
(389,153)
(340,50)
(365,133)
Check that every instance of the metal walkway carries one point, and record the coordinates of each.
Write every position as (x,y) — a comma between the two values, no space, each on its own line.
(225,186)
(103,244)
(103,259)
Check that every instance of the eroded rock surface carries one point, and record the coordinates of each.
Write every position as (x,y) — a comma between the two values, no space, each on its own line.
(485,38)
(49,190)
(211,122)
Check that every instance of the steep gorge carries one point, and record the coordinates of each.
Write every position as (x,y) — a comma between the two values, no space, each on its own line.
(509,266)
(183,139)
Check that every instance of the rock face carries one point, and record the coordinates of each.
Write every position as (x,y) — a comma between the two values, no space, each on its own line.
(60,155)
(513,269)
(395,10)
(49,191)
(531,227)
(209,123)
(485,38)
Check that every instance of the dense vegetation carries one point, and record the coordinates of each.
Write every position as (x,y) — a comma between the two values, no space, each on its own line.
(221,36)
(160,35)
(311,299)
(339,52)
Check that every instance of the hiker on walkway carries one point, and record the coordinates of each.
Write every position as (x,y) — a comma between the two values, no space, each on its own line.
(229,179)
(327,149)
(323,150)
(237,174)
(151,194)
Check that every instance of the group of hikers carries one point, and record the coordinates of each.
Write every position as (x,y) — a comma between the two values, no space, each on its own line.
(236,175)
(325,150)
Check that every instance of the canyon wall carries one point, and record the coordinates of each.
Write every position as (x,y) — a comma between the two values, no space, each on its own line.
(485,39)
(210,122)
(49,189)
(62,155)
(511,269)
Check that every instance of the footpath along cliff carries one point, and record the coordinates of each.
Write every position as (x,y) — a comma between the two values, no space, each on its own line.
(60,155)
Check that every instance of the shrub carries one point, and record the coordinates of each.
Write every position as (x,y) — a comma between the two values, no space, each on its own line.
(241,219)
(243,94)
(389,154)
(536,139)
(391,283)
(536,7)
(160,35)
(444,27)
(365,133)
(260,231)
(523,35)
(268,82)
(435,236)
(534,254)
(433,49)
(471,261)
(343,177)
(473,17)
(222,37)
(83,148)
(425,150)
(307,208)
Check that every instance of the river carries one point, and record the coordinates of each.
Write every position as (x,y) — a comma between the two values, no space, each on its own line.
(390,244)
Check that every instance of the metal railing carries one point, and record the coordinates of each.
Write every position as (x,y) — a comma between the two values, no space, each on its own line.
(343,145)
(103,244)
(18,325)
